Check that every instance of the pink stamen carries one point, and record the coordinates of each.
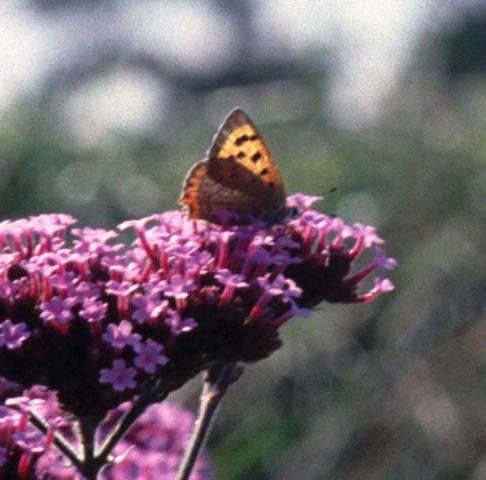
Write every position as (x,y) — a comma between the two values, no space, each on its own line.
(146,246)
(257,310)
(46,289)
(357,277)
(357,248)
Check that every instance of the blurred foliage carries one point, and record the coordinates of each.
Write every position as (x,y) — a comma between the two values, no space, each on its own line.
(390,390)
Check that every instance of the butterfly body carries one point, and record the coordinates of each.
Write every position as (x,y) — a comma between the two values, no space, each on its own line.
(237,176)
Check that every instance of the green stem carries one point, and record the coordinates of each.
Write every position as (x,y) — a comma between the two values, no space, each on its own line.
(216,383)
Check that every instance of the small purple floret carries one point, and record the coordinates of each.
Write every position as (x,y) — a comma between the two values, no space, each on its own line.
(12,336)
(57,310)
(149,356)
(118,336)
(120,376)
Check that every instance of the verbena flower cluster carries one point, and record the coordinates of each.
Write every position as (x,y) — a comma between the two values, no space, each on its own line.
(151,450)
(95,320)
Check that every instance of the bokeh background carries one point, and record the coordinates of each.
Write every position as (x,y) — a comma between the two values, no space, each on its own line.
(104,105)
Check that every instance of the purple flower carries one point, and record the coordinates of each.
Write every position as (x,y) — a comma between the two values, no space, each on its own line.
(283,287)
(302,202)
(12,336)
(93,310)
(147,307)
(58,310)
(118,336)
(29,440)
(86,291)
(122,289)
(178,287)
(149,356)
(94,240)
(230,282)
(120,376)
(178,324)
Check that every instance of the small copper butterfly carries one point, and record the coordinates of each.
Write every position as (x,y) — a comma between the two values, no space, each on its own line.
(238,175)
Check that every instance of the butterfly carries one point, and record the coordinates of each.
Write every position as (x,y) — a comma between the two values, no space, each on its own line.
(238,175)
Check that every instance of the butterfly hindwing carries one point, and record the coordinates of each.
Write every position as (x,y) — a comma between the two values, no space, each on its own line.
(205,196)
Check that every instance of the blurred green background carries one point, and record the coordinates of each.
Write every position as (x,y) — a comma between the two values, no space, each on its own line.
(104,105)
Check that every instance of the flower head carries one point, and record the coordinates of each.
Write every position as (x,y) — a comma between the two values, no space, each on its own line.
(95,320)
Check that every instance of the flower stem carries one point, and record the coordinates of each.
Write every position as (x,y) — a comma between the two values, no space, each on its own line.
(138,407)
(216,382)
(89,468)
(59,441)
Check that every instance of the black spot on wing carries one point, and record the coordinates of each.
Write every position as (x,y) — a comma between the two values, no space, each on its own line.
(241,140)
(255,157)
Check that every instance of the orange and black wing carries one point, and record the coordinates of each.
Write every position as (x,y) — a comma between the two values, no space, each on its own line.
(239,175)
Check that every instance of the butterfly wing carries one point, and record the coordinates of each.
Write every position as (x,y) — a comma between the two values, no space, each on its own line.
(238,175)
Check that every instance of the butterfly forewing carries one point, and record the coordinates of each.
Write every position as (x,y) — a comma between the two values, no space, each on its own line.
(239,174)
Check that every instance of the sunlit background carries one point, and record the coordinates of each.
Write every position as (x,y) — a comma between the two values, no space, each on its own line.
(104,105)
